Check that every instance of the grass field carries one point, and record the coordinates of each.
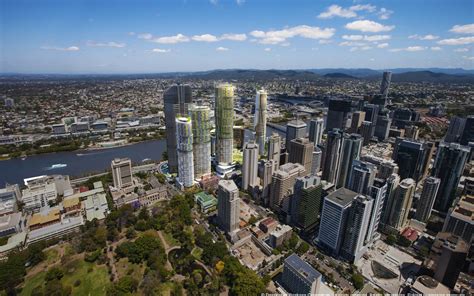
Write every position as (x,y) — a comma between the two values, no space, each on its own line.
(172,242)
(127,268)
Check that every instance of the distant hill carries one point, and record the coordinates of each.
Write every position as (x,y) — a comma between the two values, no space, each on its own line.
(432,77)
(242,74)
(339,76)
(362,72)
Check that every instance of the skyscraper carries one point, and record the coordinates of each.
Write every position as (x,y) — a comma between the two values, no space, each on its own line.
(283,181)
(382,127)
(184,141)
(332,155)
(274,149)
(412,158)
(250,166)
(427,198)
(306,203)
(224,116)
(357,118)
(295,129)
(455,129)
(176,101)
(317,159)
(302,152)
(265,173)
(361,177)
(299,277)
(228,205)
(377,192)
(402,201)
(468,131)
(366,132)
(201,140)
(122,172)
(338,114)
(392,185)
(260,123)
(448,167)
(385,85)
(350,150)
(316,129)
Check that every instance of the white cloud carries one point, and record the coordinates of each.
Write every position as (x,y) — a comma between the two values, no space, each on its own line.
(352,43)
(280,36)
(240,2)
(160,50)
(325,41)
(360,7)
(468,58)
(220,48)
(146,36)
(70,48)
(234,37)
(131,33)
(336,10)
(423,37)
(368,26)
(463,49)
(370,38)
(436,48)
(171,39)
(382,45)
(457,41)
(409,48)
(214,2)
(267,49)
(366,47)
(205,38)
(352,37)
(463,29)
(105,44)
(384,13)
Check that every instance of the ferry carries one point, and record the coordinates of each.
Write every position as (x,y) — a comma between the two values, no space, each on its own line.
(58,166)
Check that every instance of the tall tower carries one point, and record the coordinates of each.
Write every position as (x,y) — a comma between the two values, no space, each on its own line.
(402,201)
(224,115)
(412,158)
(385,85)
(122,172)
(317,159)
(448,167)
(228,205)
(357,119)
(361,177)
(184,140)
(274,149)
(265,173)
(250,166)
(283,181)
(427,198)
(176,101)
(295,129)
(332,157)
(338,114)
(366,132)
(302,152)
(260,122)
(392,185)
(306,202)
(201,140)
(350,150)
(316,129)
(378,192)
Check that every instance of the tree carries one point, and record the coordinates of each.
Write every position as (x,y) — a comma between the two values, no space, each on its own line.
(357,280)
(54,273)
(302,248)
(391,239)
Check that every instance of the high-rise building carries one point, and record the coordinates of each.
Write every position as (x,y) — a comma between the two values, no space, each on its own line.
(427,199)
(468,131)
(366,132)
(455,129)
(122,172)
(350,151)
(316,129)
(250,166)
(385,85)
(184,141)
(412,158)
(338,114)
(294,129)
(392,185)
(283,181)
(201,140)
(260,122)
(459,220)
(371,113)
(306,202)
(412,132)
(299,277)
(402,201)
(385,167)
(448,167)
(224,117)
(382,127)
(265,173)
(361,177)
(377,192)
(301,151)
(274,149)
(317,159)
(353,245)
(357,118)
(228,205)
(176,101)
(332,157)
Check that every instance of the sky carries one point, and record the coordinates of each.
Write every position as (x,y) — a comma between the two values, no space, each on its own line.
(152,36)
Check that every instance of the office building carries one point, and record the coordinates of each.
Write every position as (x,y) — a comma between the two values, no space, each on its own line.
(265,173)
(176,99)
(455,129)
(412,158)
(283,181)
(299,277)
(332,156)
(224,116)
(405,116)
(317,159)
(401,205)
(371,114)
(382,127)
(184,141)
(351,147)
(301,151)
(460,219)
(468,131)
(228,205)
(361,177)
(200,119)
(8,199)
(295,129)
(274,149)
(250,166)
(338,114)
(281,234)
(392,185)
(357,118)
(366,131)
(448,167)
(316,129)
(260,122)
(385,85)
(427,199)
(412,132)
(377,192)
(306,203)
(122,172)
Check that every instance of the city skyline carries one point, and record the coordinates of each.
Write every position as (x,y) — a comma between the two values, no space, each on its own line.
(145,37)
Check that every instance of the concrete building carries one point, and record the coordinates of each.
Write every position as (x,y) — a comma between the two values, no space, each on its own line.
(206,202)
(250,166)
(392,185)
(8,199)
(42,190)
(299,277)
(377,192)
(455,129)
(260,122)
(228,206)
(350,151)
(281,234)
(412,158)
(468,131)
(382,128)
(448,166)
(332,155)
(301,151)
(426,286)
(274,149)
(294,129)
(316,130)
(184,145)
(361,177)
(338,114)
(385,85)
(265,173)
(306,203)
(200,119)
(402,202)
(357,118)
(122,172)
(224,116)
(283,181)
(176,99)
(317,160)
(460,219)
(427,199)
(412,132)
(366,132)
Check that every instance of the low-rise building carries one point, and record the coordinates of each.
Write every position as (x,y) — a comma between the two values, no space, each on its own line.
(207,203)
(10,224)
(279,235)
(152,196)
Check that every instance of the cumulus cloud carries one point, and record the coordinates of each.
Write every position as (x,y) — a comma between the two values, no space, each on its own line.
(368,26)
(240,2)
(436,48)
(267,49)
(214,2)
(205,38)
(370,38)
(382,45)
(384,13)
(171,39)
(423,37)
(70,48)
(463,29)
(234,37)
(468,58)
(105,44)
(463,49)
(280,36)
(457,41)
(220,48)
(338,11)
(325,41)
(352,43)
(160,50)
(146,36)
(409,48)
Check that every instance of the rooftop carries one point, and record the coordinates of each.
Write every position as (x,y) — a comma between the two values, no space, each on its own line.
(304,269)
(429,286)
(43,218)
(342,196)
(228,185)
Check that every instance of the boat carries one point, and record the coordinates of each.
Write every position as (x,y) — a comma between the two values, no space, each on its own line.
(58,165)
(146,159)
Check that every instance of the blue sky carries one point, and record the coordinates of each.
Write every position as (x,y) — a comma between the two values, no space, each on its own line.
(92,36)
